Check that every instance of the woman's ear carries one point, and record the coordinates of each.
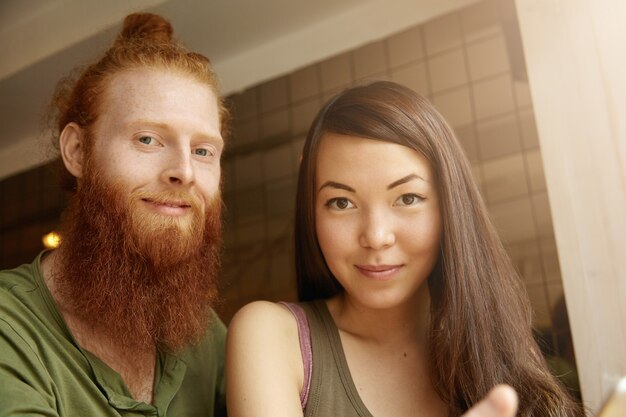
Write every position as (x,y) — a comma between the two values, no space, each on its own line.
(73,149)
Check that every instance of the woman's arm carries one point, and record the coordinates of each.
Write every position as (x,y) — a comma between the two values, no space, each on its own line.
(264,370)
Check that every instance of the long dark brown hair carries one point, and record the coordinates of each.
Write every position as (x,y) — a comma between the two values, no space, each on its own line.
(480,329)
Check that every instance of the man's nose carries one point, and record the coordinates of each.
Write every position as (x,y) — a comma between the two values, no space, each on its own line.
(377,231)
(179,168)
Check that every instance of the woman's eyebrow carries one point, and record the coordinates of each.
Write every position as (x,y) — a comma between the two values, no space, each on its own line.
(333,184)
(404,180)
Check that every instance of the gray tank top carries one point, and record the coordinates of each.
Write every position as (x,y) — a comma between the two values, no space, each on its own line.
(331,391)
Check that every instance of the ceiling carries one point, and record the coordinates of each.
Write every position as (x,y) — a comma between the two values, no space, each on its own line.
(248,41)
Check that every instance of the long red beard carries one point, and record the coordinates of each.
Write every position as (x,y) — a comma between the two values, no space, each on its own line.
(142,278)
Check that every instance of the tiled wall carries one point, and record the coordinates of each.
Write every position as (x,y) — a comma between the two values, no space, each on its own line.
(471,66)
(461,61)
(31,204)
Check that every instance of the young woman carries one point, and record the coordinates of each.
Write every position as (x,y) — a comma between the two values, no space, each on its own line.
(409,303)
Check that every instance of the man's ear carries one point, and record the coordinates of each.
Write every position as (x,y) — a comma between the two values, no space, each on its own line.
(72,146)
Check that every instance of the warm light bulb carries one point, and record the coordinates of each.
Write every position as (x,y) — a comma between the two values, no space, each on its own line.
(52,240)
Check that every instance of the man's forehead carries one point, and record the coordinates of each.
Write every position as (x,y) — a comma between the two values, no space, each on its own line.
(146,98)
(146,90)
(153,81)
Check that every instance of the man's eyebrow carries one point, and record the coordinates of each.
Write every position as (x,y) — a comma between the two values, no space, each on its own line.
(164,126)
(404,180)
(333,184)
(149,122)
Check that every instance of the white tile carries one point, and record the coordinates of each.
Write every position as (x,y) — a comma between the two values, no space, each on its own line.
(248,170)
(531,270)
(249,205)
(555,293)
(302,115)
(536,175)
(539,302)
(505,178)
(296,147)
(447,70)
(280,197)
(304,83)
(273,94)
(383,76)
(275,123)
(523,97)
(336,72)
(282,272)
(246,103)
(250,234)
(229,237)
(280,228)
(412,76)
(246,131)
(455,106)
(477,173)
(542,214)
(230,295)
(466,136)
(526,257)
(530,137)
(369,60)
(228,176)
(277,162)
(443,33)
(405,47)
(328,95)
(493,97)
(254,278)
(499,137)
(514,220)
(487,57)
(480,20)
(550,257)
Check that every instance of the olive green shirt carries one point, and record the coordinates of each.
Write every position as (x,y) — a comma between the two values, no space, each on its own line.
(43,371)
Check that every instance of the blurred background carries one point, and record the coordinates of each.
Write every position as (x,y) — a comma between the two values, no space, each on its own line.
(278,62)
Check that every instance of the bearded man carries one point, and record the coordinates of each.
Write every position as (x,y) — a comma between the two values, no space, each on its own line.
(118,320)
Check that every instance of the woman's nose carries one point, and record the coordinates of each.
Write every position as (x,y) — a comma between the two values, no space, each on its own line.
(377,231)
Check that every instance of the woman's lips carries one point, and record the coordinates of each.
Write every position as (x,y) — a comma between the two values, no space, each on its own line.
(378,272)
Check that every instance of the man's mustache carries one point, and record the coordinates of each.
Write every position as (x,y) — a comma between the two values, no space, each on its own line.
(169,198)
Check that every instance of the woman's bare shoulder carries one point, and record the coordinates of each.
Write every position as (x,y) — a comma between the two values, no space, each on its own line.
(263,316)
(270,327)
(263,361)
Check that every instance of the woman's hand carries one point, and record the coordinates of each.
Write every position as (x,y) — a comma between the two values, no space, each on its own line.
(500,402)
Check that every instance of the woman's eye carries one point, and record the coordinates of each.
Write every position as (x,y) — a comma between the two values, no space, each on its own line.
(147,140)
(408,200)
(339,203)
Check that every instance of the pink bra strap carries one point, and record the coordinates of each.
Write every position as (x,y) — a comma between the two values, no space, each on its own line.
(304,335)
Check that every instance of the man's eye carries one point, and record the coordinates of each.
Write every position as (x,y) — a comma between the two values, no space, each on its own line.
(147,140)
(201,152)
(339,203)
(205,150)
